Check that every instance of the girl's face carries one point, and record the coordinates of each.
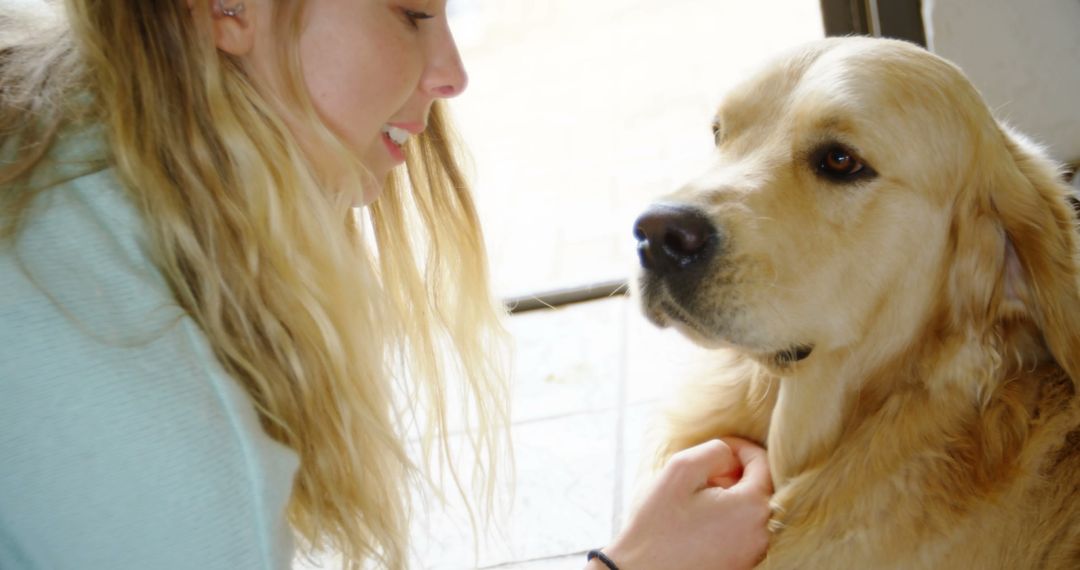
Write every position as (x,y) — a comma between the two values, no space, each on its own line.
(373,68)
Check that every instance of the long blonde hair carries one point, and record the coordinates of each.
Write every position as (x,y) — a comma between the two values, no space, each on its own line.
(346,349)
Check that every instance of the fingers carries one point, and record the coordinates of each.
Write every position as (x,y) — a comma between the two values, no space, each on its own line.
(730,462)
(696,466)
(755,464)
(725,481)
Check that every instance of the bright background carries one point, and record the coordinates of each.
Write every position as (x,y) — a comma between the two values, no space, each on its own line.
(579,112)
(577,115)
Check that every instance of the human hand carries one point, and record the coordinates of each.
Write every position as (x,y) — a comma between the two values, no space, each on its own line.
(708,509)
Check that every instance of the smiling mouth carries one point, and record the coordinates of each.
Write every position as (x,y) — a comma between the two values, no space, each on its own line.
(396,135)
(669,310)
(666,312)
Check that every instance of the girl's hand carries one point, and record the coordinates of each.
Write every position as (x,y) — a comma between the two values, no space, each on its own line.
(708,509)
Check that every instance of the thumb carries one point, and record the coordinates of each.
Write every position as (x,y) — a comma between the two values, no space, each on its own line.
(755,461)
(696,466)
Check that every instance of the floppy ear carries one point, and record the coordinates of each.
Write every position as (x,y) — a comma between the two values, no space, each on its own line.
(1029,197)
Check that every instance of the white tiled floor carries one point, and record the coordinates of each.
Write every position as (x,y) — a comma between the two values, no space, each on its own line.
(587,381)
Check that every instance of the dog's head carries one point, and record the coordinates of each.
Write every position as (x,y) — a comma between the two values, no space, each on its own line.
(860,189)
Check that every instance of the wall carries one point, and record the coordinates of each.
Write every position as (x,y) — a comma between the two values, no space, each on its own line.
(1025,58)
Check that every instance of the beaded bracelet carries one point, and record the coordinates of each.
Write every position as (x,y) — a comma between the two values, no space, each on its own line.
(603,558)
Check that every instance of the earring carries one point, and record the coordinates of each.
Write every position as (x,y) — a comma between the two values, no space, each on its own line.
(229,12)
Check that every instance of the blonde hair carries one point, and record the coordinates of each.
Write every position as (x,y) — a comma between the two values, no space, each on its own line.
(345,349)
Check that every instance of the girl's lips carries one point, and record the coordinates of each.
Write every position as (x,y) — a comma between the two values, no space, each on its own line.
(414,128)
(395,151)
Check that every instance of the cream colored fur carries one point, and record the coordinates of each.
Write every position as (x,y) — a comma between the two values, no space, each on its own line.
(935,424)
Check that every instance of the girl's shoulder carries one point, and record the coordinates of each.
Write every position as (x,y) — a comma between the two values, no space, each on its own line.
(115,416)
(80,258)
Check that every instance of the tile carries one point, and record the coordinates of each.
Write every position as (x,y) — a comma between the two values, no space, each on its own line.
(566,478)
(567,360)
(638,420)
(657,359)
(574,561)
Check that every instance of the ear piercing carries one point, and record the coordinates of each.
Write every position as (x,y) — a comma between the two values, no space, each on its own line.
(229,12)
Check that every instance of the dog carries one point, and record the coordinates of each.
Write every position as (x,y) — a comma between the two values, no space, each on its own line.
(889,277)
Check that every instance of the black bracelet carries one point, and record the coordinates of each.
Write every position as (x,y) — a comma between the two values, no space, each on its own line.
(603,558)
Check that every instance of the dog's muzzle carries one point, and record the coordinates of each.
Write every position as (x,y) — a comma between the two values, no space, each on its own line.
(673,238)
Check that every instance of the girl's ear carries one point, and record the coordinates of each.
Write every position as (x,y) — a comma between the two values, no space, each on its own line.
(233,24)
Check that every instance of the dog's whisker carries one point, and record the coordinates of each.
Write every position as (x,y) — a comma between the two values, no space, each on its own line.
(622,289)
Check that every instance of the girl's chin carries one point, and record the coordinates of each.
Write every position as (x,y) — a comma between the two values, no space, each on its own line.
(372,183)
(371,192)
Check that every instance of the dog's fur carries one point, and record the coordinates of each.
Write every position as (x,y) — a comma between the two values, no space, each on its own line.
(935,423)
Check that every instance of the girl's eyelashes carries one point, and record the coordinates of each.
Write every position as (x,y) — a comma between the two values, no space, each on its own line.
(415,16)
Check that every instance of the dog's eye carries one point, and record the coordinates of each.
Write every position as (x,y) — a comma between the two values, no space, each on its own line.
(716,132)
(840,164)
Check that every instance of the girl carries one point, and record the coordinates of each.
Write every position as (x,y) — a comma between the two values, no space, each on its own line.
(206,348)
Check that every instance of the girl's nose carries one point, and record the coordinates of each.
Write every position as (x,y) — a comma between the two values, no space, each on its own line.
(445,75)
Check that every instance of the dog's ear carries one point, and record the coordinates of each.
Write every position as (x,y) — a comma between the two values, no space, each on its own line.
(1037,241)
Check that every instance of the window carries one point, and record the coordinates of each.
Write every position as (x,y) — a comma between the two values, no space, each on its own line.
(578,114)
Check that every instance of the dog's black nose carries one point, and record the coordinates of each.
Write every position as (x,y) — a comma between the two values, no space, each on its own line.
(671,238)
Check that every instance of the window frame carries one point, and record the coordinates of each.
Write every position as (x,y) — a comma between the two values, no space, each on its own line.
(900,19)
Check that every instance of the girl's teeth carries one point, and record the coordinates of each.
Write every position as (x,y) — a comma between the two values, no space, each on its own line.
(399,136)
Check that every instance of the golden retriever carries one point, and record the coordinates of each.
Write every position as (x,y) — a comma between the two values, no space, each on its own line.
(890,279)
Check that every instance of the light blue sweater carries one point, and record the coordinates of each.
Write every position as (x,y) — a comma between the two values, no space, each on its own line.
(123,444)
